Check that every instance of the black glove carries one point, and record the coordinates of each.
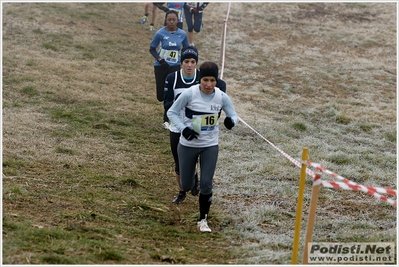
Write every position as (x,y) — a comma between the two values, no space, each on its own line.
(193,11)
(161,6)
(201,8)
(163,63)
(189,134)
(229,123)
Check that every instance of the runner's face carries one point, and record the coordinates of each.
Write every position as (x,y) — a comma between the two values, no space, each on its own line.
(189,66)
(208,84)
(171,21)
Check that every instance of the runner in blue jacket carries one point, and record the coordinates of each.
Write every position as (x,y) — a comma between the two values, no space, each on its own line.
(165,48)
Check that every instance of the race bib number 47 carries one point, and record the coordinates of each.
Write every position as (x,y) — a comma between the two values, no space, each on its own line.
(169,55)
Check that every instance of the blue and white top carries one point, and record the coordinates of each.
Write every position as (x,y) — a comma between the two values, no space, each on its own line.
(178,7)
(201,113)
(168,45)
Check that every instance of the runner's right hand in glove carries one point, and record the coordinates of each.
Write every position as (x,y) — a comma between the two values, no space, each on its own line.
(163,63)
(189,134)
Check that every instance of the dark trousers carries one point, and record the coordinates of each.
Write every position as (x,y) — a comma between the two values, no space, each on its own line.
(160,76)
(193,21)
(188,157)
(174,141)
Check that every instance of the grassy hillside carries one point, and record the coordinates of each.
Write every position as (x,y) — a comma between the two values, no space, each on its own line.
(87,170)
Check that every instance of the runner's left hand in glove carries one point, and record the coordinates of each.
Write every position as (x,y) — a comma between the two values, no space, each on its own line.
(229,123)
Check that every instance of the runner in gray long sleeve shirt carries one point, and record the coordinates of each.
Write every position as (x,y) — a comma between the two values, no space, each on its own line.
(201,105)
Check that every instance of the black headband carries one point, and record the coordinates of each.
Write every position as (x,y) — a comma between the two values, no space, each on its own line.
(209,72)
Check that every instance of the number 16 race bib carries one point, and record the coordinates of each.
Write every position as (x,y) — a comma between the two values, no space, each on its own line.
(203,123)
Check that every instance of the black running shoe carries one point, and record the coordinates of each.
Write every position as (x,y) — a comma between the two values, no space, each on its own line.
(195,190)
(180,197)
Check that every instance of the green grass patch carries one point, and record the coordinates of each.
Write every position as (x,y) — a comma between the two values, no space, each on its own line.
(51,47)
(29,91)
(38,31)
(340,159)
(342,119)
(64,150)
(299,126)
(391,137)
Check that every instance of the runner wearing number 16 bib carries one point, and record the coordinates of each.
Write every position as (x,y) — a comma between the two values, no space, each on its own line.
(199,129)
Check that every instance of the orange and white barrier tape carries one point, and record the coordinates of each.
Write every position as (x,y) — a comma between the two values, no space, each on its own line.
(318,167)
(341,185)
(350,185)
(346,184)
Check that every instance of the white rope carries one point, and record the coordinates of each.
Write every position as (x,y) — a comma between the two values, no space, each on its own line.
(296,162)
(224,41)
(331,184)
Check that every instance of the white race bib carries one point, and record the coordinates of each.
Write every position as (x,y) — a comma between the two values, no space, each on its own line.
(170,56)
(204,123)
